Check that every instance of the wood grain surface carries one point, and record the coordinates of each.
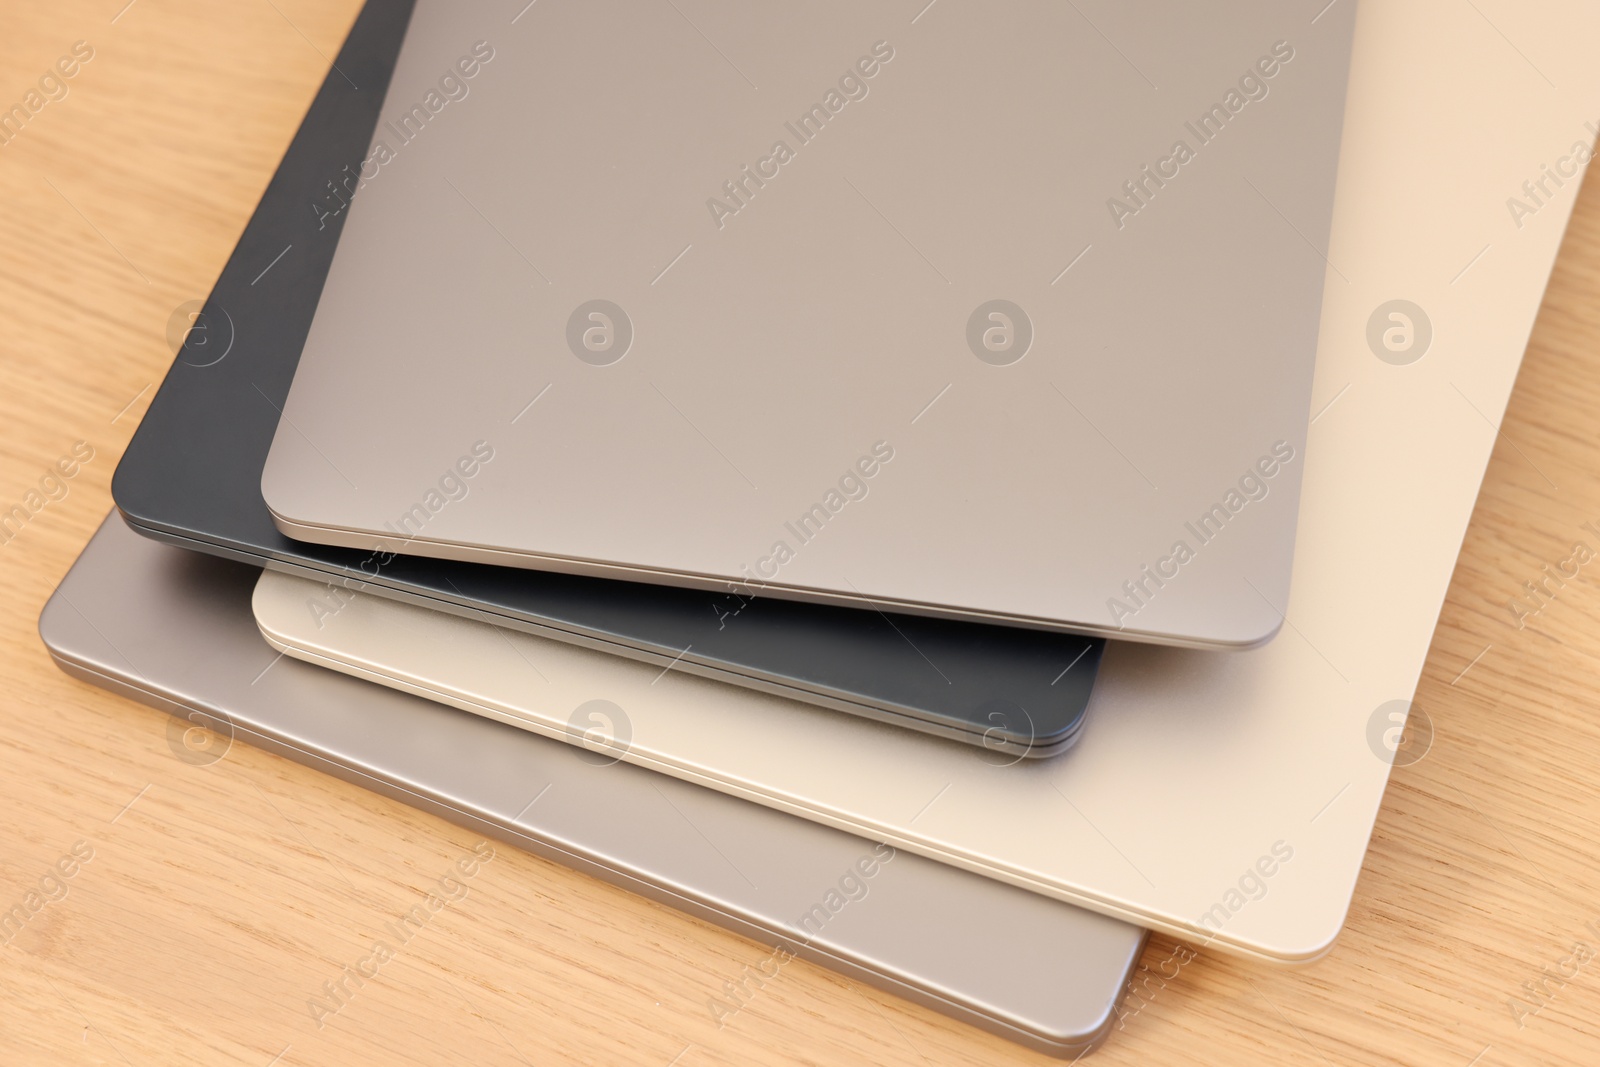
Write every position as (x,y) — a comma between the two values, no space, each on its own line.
(218,899)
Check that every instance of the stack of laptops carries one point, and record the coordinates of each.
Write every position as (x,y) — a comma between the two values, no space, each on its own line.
(837,473)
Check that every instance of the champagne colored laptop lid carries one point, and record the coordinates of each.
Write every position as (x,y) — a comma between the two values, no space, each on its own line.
(1214,795)
(980,313)
(191,476)
(173,629)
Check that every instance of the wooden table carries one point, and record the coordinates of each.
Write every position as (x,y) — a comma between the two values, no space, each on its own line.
(219,899)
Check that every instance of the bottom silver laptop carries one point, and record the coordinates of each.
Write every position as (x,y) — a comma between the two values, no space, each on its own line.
(174,629)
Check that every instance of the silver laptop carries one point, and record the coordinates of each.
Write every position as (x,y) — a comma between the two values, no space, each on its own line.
(991,312)
(132,614)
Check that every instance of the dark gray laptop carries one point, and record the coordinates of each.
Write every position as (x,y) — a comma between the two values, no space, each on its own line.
(174,629)
(191,476)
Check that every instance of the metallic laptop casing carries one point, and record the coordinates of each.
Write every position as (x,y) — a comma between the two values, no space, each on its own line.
(173,629)
(869,377)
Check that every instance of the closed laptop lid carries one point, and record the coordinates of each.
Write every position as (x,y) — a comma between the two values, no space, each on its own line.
(993,312)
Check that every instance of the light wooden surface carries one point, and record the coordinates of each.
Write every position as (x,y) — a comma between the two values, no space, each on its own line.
(219,899)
